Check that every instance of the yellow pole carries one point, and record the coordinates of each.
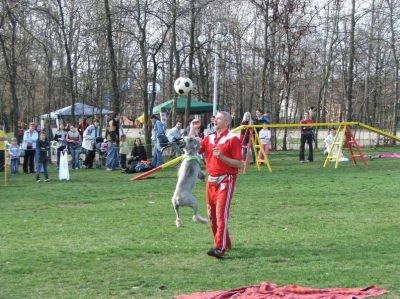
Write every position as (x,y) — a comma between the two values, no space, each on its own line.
(5,166)
(172,162)
(379,131)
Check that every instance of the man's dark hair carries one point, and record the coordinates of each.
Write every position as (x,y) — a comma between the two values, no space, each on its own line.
(154,116)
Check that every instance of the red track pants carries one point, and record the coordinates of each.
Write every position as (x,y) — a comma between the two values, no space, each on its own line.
(218,204)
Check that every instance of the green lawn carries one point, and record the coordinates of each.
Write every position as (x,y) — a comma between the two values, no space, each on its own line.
(102,236)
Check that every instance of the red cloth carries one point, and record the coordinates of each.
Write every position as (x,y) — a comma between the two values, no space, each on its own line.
(271,291)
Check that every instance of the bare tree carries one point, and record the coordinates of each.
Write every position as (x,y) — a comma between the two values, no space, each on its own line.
(115,102)
(350,69)
(8,41)
(393,39)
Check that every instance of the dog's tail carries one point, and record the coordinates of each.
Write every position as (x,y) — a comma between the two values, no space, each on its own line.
(199,219)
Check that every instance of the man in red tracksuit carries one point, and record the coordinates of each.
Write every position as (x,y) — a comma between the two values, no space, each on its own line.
(223,158)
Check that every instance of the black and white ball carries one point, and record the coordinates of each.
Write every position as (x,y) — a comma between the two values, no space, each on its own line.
(183,86)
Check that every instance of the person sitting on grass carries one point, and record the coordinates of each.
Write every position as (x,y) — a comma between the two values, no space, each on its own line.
(138,152)
(138,155)
(328,144)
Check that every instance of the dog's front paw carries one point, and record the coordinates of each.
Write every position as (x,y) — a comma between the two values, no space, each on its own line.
(202,176)
(178,222)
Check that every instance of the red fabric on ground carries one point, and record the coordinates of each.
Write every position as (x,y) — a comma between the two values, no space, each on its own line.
(271,291)
(385,156)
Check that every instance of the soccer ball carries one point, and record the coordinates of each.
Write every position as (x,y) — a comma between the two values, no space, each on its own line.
(183,86)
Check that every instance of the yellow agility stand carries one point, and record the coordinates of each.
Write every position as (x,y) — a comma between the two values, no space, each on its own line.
(338,145)
(251,134)
(5,167)
(344,134)
(257,145)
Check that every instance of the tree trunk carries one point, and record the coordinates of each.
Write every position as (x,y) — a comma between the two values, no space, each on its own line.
(350,74)
(69,60)
(11,65)
(396,70)
(115,101)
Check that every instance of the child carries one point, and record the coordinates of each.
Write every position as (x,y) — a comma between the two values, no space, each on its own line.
(15,152)
(103,151)
(43,147)
(329,140)
(123,151)
(265,136)
(335,151)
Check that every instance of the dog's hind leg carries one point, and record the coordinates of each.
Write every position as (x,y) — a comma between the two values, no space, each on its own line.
(178,220)
(196,215)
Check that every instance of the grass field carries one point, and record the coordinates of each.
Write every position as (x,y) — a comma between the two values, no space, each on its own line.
(101,236)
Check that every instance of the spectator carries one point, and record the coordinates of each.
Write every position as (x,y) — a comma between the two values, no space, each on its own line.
(112,136)
(158,130)
(82,126)
(38,129)
(68,126)
(328,144)
(174,136)
(14,152)
(210,126)
(307,134)
(43,147)
(49,136)
(187,129)
(138,152)
(260,119)
(89,143)
(29,146)
(265,137)
(73,139)
(3,138)
(313,113)
(60,136)
(123,151)
(267,117)
(329,139)
(20,135)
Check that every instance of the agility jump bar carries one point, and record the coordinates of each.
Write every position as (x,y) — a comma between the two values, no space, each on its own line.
(163,166)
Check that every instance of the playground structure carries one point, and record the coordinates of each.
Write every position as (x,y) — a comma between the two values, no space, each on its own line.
(250,130)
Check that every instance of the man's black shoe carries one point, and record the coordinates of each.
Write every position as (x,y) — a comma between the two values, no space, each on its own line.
(215,252)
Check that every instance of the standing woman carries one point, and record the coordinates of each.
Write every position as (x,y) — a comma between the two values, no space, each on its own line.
(74,142)
(89,143)
(30,139)
(60,136)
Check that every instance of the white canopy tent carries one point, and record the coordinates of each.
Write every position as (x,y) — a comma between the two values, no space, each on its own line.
(80,110)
